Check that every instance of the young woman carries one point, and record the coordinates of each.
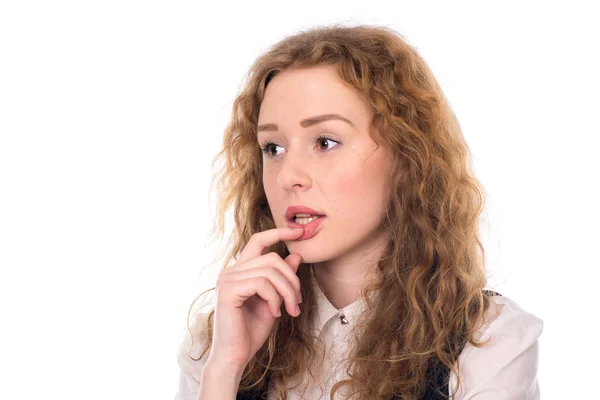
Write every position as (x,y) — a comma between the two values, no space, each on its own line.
(355,268)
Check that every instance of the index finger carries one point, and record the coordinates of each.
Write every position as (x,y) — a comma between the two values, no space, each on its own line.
(259,241)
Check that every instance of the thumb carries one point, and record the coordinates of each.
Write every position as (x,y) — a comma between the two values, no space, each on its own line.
(294,260)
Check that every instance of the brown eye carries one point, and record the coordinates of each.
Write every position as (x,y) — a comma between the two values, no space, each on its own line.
(270,149)
(325,143)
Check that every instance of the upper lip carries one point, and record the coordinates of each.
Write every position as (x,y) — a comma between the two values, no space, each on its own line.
(291,211)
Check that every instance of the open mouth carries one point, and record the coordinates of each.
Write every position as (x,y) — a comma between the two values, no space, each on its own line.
(307,218)
(302,220)
(310,225)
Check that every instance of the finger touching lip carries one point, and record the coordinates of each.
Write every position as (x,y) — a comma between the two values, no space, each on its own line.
(310,229)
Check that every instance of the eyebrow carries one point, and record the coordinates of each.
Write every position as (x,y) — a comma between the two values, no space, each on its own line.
(305,123)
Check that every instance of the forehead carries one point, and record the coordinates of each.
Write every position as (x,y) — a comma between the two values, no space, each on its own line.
(303,92)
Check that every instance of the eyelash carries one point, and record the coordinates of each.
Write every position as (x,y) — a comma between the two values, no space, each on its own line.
(265,146)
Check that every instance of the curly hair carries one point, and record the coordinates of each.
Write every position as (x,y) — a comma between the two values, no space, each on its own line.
(431,274)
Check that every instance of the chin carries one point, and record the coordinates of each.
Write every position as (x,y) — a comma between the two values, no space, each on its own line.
(312,260)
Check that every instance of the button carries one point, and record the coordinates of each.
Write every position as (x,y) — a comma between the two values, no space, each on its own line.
(343,319)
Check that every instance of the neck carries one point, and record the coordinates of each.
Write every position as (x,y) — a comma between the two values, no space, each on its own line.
(342,279)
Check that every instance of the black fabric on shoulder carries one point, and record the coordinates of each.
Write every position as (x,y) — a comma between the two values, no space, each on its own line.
(491,293)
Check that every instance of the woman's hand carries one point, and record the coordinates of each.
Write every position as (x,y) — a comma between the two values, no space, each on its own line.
(249,296)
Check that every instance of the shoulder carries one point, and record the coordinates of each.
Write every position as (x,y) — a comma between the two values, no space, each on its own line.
(505,318)
(190,347)
(506,367)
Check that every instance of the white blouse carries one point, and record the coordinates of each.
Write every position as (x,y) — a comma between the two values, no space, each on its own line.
(504,369)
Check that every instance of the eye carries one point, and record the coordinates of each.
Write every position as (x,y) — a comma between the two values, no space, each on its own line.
(267,148)
(324,140)
(323,143)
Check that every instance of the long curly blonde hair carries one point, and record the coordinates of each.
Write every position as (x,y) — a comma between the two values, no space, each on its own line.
(428,292)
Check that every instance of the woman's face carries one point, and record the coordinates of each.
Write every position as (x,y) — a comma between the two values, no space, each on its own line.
(329,165)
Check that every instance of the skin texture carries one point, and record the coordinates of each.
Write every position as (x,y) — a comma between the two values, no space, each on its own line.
(346,181)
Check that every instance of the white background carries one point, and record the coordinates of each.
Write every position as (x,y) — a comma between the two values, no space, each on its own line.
(110,115)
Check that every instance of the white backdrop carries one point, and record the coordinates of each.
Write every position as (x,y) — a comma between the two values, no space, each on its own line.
(110,115)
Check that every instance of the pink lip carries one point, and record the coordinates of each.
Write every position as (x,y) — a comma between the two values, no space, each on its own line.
(310,229)
(291,212)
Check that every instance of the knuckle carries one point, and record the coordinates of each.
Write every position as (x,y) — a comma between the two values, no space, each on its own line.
(221,284)
(223,274)
(293,293)
(262,280)
(253,239)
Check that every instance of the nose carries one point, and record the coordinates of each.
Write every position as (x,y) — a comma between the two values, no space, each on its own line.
(294,173)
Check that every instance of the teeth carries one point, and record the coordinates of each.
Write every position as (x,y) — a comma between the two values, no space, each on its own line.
(304,221)
(303,215)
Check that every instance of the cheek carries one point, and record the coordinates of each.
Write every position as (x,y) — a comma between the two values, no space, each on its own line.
(347,186)
(356,191)
(360,190)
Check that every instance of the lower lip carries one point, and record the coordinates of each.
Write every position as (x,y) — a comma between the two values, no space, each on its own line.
(310,229)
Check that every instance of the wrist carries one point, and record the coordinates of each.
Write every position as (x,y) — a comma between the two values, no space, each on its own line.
(215,369)
(220,382)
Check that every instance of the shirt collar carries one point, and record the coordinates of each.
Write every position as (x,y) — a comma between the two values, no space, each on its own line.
(326,311)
